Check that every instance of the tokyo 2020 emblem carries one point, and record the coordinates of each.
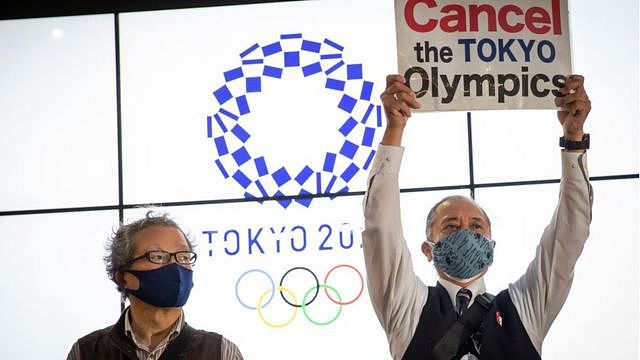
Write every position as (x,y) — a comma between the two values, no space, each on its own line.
(327,171)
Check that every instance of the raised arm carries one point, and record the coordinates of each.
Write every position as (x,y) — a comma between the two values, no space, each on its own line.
(395,291)
(540,293)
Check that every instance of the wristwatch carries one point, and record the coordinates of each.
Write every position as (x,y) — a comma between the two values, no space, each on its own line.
(575,145)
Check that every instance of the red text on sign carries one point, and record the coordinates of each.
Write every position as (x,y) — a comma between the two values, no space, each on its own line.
(509,18)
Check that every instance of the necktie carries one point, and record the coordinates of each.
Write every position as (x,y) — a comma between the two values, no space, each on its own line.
(463,297)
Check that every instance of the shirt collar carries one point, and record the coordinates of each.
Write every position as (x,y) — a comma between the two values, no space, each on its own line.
(128,329)
(477,287)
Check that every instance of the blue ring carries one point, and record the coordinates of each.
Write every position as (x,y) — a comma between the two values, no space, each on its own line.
(273,288)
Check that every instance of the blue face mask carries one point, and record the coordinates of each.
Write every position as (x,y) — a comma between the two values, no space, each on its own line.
(463,254)
(168,286)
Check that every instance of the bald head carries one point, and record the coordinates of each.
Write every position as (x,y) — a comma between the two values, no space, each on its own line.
(454,213)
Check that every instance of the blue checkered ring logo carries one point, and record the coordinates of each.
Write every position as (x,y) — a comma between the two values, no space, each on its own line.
(356,121)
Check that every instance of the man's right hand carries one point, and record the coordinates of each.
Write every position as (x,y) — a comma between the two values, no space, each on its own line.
(397,100)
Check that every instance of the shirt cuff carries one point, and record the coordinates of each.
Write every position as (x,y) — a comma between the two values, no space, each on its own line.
(388,159)
(574,165)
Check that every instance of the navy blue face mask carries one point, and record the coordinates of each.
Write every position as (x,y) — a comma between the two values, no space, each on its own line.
(463,254)
(168,286)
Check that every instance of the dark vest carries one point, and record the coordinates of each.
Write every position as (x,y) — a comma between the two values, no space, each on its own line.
(111,343)
(507,342)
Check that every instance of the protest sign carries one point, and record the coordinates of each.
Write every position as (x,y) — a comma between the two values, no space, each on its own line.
(489,54)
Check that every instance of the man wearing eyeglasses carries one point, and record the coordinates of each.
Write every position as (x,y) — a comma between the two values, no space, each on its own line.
(151,262)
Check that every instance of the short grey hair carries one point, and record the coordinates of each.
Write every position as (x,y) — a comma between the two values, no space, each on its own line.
(121,244)
(432,212)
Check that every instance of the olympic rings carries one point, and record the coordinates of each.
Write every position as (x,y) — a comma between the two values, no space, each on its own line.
(305,303)
(295,309)
(291,300)
(304,307)
(258,271)
(359,293)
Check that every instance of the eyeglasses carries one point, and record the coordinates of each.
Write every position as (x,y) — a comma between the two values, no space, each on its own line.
(163,257)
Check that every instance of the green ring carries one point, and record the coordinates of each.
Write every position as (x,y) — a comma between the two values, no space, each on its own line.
(304,307)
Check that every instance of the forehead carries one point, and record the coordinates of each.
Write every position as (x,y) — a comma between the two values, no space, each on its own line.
(458,208)
(163,237)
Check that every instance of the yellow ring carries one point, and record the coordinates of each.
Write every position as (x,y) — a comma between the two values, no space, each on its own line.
(261,316)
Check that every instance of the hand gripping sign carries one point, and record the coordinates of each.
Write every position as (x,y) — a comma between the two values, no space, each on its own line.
(487,54)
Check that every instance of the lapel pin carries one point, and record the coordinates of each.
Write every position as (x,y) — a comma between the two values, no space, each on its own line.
(499,318)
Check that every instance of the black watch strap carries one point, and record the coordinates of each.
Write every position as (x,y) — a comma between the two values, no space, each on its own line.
(575,145)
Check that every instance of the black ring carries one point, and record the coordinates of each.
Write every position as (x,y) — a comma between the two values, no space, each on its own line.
(314,276)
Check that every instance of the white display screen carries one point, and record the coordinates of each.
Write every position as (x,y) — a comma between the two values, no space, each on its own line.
(224,104)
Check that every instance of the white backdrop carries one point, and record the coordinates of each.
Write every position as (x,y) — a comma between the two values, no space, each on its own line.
(58,149)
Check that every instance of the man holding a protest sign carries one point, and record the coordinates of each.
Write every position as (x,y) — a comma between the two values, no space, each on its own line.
(455,319)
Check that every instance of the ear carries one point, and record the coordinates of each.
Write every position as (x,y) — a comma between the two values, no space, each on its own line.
(127,281)
(118,278)
(426,250)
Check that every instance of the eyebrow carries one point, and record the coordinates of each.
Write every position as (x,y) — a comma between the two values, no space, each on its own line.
(153,247)
(456,218)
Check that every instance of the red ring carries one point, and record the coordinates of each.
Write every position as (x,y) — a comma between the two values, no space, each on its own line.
(361,286)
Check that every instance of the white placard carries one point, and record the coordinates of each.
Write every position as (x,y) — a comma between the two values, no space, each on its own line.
(483,54)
